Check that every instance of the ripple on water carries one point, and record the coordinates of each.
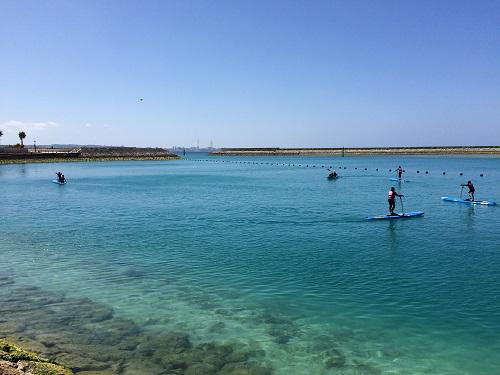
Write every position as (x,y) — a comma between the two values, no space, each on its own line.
(277,263)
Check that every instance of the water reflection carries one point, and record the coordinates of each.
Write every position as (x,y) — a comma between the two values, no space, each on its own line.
(392,237)
(470,214)
(22,169)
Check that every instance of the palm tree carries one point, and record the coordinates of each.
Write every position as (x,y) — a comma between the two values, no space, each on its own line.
(22,135)
(1,133)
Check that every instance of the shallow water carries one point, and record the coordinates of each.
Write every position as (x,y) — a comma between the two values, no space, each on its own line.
(270,258)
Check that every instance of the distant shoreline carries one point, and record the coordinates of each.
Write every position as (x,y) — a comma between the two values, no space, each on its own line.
(83,154)
(83,160)
(444,150)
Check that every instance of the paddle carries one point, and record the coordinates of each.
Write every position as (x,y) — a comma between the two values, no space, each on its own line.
(402,207)
(461,191)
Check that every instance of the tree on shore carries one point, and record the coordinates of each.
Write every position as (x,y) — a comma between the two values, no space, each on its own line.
(22,135)
(1,133)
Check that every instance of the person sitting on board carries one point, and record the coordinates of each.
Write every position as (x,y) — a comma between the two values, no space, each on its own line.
(399,172)
(391,198)
(333,175)
(63,179)
(472,190)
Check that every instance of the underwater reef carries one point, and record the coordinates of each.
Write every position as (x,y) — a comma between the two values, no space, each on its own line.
(88,339)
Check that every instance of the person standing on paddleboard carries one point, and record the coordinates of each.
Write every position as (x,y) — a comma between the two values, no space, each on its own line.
(399,172)
(391,198)
(472,190)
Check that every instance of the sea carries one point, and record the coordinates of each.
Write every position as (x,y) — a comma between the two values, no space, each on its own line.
(253,265)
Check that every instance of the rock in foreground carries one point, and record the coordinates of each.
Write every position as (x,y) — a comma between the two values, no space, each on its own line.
(16,361)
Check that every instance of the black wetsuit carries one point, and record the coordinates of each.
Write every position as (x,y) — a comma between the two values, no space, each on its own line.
(472,190)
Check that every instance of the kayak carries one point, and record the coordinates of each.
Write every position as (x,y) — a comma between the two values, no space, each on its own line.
(405,215)
(58,182)
(398,179)
(458,200)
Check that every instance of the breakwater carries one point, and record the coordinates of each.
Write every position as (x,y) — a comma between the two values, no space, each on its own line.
(16,155)
(341,151)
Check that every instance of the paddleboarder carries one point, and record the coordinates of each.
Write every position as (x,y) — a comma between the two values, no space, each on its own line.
(60,178)
(333,175)
(399,172)
(472,190)
(391,198)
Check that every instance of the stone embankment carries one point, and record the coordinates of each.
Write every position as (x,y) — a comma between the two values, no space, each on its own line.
(124,152)
(16,155)
(444,150)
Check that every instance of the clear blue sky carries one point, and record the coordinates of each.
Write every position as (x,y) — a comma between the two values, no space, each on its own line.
(251,73)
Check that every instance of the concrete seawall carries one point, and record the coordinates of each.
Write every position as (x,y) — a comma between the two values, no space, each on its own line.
(445,150)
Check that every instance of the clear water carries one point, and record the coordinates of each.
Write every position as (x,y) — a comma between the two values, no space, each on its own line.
(277,253)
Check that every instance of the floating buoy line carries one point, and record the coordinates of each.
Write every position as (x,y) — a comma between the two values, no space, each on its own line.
(307,165)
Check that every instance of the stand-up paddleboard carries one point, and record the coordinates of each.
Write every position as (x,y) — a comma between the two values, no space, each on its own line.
(398,179)
(458,200)
(406,215)
(58,182)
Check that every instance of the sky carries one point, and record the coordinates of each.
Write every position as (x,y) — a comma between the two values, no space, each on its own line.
(256,73)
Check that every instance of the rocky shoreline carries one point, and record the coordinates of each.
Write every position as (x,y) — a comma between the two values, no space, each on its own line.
(85,154)
(368,151)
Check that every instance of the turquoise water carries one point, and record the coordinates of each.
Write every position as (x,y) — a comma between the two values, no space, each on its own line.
(274,258)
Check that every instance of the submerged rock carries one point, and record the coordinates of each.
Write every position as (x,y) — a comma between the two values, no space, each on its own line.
(159,344)
(77,362)
(269,318)
(136,366)
(89,339)
(364,369)
(217,327)
(201,369)
(9,327)
(282,334)
(334,359)
(244,369)
(82,310)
